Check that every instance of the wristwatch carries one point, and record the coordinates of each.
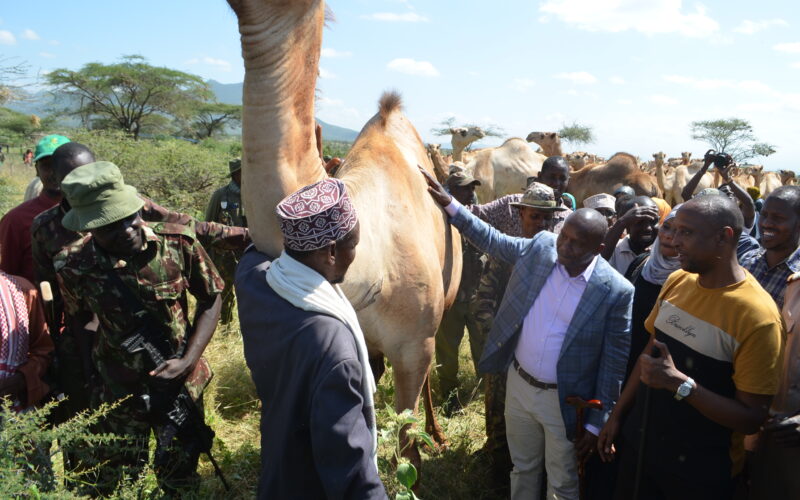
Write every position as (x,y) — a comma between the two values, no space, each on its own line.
(684,389)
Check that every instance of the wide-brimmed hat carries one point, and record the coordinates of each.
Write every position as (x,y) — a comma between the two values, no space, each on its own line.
(539,196)
(461,179)
(47,145)
(98,196)
(235,165)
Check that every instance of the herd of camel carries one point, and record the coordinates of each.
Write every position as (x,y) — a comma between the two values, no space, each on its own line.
(501,169)
(408,263)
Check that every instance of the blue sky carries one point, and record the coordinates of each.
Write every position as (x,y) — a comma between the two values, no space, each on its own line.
(638,72)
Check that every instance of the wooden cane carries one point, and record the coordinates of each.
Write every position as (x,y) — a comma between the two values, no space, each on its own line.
(581,405)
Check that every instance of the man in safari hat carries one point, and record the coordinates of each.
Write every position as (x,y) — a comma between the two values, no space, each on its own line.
(134,277)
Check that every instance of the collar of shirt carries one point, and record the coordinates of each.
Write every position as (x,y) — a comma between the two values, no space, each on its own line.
(792,261)
(585,275)
(624,245)
(106,261)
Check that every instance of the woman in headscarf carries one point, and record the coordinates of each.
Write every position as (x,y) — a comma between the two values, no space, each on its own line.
(648,276)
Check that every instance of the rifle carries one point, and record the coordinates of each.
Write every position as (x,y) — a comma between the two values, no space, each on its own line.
(171,405)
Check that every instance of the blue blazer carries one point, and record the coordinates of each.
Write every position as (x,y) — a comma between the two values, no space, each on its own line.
(597,343)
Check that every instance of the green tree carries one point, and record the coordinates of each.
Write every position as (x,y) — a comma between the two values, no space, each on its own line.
(130,95)
(11,74)
(733,136)
(213,117)
(449,123)
(576,134)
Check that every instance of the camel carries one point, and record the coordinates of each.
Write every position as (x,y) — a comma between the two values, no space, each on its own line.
(621,169)
(505,169)
(672,184)
(461,137)
(550,142)
(577,160)
(788,177)
(404,275)
(766,182)
(741,177)
(440,166)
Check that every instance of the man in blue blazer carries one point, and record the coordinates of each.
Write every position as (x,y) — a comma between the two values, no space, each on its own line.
(562,329)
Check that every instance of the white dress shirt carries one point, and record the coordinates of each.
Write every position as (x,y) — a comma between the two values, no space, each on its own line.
(545,325)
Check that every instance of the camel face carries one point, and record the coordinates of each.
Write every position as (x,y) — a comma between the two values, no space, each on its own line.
(461,137)
(550,142)
(659,157)
(686,157)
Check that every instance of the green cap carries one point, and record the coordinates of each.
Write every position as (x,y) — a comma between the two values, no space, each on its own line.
(235,165)
(98,196)
(48,145)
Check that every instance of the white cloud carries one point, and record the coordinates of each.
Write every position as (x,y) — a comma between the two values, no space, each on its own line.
(663,99)
(29,34)
(219,64)
(521,84)
(651,17)
(412,67)
(47,55)
(752,27)
(579,77)
(715,83)
(55,42)
(7,38)
(789,48)
(407,17)
(336,111)
(328,52)
(617,80)
(325,74)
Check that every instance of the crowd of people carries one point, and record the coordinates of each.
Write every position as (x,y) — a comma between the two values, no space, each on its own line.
(629,349)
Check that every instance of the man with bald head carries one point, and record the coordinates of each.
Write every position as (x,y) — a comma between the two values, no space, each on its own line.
(562,329)
(711,366)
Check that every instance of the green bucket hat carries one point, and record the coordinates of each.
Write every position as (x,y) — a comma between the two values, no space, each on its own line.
(98,196)
(235,165)
(48,145)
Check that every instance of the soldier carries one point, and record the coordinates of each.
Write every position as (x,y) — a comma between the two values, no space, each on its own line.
(225,207)
(134,277)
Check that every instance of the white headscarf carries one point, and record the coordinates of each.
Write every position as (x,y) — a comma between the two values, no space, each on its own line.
(658,268)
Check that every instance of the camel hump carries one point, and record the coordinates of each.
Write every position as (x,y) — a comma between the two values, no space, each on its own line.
(389,103)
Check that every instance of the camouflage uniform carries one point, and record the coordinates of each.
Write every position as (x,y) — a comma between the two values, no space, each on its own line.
(451,329)
(171,264)
(225,207)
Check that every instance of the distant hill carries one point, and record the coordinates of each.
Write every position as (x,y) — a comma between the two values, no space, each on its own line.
(231,93)
(42,103)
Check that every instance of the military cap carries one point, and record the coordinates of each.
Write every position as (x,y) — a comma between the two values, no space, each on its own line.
(235,165)
(460,178)
(98,196)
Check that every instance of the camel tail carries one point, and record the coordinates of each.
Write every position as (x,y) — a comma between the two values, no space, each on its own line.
(389,103)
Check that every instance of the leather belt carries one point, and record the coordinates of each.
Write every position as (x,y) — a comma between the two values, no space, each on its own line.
(527,377)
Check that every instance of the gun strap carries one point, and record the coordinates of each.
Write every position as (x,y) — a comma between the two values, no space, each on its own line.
(144,316)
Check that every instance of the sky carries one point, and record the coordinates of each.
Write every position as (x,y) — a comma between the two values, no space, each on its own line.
(637,71)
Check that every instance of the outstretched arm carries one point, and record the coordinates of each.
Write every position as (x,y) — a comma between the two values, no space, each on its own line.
(688,189)
(746,203)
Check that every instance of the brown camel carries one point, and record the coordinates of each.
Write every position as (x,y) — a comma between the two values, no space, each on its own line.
(550,142)
(504,170)
(766,182)
(621,169)
(440,166)
(404,275)
(461,137)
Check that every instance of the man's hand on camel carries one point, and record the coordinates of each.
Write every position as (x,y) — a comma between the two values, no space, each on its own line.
(437,191)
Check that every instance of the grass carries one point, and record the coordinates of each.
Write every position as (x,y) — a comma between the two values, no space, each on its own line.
(233,410)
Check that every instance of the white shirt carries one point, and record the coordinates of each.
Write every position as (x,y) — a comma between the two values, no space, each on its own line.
(623,256)
(545,325)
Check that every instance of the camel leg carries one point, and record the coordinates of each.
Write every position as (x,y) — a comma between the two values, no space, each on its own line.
(432,427)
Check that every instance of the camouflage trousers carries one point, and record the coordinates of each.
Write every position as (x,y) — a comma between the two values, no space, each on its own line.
(175,472)
(448,339)
(484,307)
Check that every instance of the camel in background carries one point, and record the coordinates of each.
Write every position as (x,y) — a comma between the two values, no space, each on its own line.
(550,142)
(766,182)
(621,169)
(461,137)
(505,169)
(404,275)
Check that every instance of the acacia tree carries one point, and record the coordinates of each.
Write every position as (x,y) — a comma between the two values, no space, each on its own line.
(131,94)
(733,136)
(213,117)
(576,134)
(11,72)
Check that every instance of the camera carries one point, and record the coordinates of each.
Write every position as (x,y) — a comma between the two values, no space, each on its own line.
(720,160)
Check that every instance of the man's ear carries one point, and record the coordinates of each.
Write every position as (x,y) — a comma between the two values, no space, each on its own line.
(601,248)
(727,233)
(330,253)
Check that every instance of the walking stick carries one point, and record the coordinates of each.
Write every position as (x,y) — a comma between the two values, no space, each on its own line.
(637,479)
(581,405)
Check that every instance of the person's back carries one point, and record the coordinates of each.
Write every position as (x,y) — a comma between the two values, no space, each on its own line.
(294,355)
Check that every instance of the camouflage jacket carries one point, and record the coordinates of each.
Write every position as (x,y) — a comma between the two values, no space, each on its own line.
(172,264)
(49,237)
(225,206)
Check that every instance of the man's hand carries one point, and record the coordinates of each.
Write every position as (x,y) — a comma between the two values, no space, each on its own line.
(173,369)
(605,441)
(436,190)
(660,373)
(585,446)
(637,214)
(785,432)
